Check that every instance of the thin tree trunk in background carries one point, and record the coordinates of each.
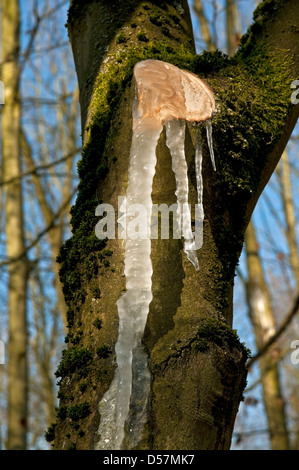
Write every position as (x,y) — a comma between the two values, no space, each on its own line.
(284,176)
(233,27)
(263,321)
(230,10)
(204,27)
(18,268)
(43,346)
(56,233)
(289,213)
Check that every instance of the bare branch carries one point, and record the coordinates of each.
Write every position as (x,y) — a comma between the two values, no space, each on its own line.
(42,233)
(46,166)
(289,317)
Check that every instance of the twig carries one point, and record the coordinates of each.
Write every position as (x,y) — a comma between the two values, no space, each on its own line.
(46,166)
(276,335)
(42,233)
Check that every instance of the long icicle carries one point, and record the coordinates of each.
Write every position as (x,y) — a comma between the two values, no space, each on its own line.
(198,172)
(133,305)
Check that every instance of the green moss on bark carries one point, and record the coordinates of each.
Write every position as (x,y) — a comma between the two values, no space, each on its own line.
(253,100)
(78,412)
(74,360)
(50,433)
(214,331)
(211,331)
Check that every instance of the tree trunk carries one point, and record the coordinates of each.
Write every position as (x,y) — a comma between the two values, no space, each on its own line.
(196,362)
(263,321)
(56,234)
(288,209)
(204,27)
(18,267)
(230,9)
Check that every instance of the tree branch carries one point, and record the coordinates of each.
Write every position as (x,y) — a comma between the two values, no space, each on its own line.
(42,233)
(38,168)
(289,317)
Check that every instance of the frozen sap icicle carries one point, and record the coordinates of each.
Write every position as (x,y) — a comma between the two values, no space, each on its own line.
(133,306)
(210,142)
(175,140)
(198,172)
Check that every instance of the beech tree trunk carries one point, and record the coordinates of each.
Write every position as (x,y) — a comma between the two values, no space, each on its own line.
(196,360)
(15,246)
(284,176)
(264,325)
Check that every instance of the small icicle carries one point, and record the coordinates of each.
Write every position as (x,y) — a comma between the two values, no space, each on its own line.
(175,141)
(198,171)
(210,142)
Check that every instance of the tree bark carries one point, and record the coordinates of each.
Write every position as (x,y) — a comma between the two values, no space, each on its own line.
(196,360)
(18,267)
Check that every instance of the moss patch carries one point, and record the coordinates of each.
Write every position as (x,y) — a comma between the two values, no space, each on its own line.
(253,98)
(220,333)
(74,360)
(50,433)
(78,412)
(103,351)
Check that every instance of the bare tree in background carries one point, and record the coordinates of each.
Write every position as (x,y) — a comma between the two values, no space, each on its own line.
(264,325)
(44,183)
(18,268)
